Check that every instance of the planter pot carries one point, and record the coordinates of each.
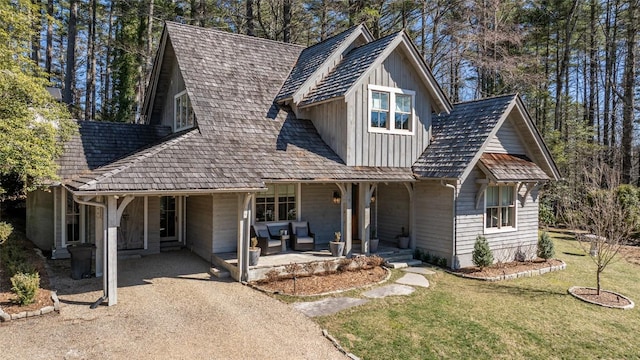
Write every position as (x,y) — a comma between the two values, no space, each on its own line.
(403,242)
(337,248)
(373,245)
(254,255)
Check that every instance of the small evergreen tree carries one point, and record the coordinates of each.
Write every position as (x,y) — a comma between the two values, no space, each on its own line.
(545,246)
(482,255)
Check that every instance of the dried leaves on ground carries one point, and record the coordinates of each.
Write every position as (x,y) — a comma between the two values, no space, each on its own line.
(508,268)
(319,284)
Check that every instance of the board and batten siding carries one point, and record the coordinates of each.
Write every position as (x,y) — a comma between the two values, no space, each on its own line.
(434,218)
(153,230)
(470,224)
(392,202)
(317,207)
(225,223)
(176,85)
(330,120)
(506,141)
(200,225)
(387,149)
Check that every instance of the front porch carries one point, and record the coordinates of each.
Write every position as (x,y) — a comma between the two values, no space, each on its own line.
(228,261)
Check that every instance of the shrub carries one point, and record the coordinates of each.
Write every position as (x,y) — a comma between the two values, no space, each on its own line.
(344,264)
(5,231)
(546,214)
(482,255)
(545,246)
(375,261)
(25,286)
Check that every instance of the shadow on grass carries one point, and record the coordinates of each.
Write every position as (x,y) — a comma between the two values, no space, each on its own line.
(573,254)
(521,291)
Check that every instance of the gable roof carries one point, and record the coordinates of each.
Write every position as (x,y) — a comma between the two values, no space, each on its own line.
(243,138)
(312,58)
(356,64)
(98,143)
(459,138)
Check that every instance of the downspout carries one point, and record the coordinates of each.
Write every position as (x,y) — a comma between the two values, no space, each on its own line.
(104,244)
(455,223)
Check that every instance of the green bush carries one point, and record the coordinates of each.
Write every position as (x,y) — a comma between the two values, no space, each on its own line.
(628,197)
(25,286)
(5,231)
(545,214)
(545,246)
(482,255)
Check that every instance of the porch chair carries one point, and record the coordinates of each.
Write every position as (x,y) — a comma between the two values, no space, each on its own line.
(301,236)
(267,244)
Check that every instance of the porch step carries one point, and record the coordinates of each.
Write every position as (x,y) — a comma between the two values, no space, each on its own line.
(398,257)
(219,273)
(170,246)
(403,264)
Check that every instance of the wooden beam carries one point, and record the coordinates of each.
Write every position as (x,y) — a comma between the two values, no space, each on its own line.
(480,193)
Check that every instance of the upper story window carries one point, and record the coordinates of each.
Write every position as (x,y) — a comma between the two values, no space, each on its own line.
(183,117)
(500,207)
(391,110)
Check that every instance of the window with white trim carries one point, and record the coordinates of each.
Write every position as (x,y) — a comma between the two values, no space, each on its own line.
(183,116)
(391,110)
(277,204)
(500,207)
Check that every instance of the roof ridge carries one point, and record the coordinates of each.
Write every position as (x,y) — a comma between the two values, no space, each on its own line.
(485,99)
(331,37)
(118,123)
(140,155)
(394,34)
(247,37)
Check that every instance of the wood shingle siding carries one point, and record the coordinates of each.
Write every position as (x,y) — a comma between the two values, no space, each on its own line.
(434,218)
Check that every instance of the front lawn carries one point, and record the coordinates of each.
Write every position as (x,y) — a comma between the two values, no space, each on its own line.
(533,318)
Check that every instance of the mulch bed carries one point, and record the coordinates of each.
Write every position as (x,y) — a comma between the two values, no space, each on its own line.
(509,268)
(605,298)
(320,284)
(43,298)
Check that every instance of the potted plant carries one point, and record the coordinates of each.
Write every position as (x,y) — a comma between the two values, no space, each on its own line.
(403,239)
(336,246)
(373,241)
(254,252)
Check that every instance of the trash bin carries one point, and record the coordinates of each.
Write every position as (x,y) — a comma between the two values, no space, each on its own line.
(80,260)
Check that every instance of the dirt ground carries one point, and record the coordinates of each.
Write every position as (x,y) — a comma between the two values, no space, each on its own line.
(168,308)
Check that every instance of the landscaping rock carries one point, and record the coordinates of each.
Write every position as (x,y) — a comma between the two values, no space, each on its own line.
(4,316)
(47,309)
(20,315)
(328,306)
(413,280)
(389,290)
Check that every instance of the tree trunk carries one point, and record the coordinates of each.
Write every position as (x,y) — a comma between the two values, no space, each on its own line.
(250,25)
(593,66)
(36,25)
(106,95)
(89,104)
(70,72)
(49,53)
(286,21)
(628,95)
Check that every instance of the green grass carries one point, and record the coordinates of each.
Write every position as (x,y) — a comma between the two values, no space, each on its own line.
(531,318)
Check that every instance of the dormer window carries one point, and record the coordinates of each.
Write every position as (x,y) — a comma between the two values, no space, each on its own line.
(391,110)
(183,117)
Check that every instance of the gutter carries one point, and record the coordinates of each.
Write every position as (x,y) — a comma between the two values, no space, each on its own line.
(455,222)
(104,244)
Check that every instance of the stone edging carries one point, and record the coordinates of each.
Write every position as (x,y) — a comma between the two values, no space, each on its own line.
(27,314)
(522,274)
(335,343)
(626,307)
(256,287)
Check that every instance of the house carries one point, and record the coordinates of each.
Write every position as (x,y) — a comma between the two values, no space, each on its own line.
(240,131)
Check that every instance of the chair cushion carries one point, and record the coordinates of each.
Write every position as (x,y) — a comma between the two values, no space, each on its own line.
(264,233)
(304,240)
(274,243)
(302,231)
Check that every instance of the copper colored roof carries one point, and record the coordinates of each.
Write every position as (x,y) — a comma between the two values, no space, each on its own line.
(506,167)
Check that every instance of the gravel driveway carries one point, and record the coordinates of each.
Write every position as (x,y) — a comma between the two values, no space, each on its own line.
(168,308)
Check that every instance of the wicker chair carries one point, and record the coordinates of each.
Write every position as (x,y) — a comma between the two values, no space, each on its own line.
(266,243)
(301,236)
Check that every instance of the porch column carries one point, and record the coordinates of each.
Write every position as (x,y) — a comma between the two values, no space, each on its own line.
(111,252)
(100,231)
(366,191)
(244,228)
(346,214)
(412,217)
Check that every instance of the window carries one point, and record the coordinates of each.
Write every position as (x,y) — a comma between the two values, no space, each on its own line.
(168,218)
(277,204)
(183,116)
(500,207)
(391,110)
(72,216)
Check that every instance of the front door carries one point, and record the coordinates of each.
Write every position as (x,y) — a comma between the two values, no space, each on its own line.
(168,219)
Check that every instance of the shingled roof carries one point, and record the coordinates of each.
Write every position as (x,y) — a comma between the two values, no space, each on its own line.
(310,60)
(99,143)
(348,71)
(459,136)
(243,138)
(511,168)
